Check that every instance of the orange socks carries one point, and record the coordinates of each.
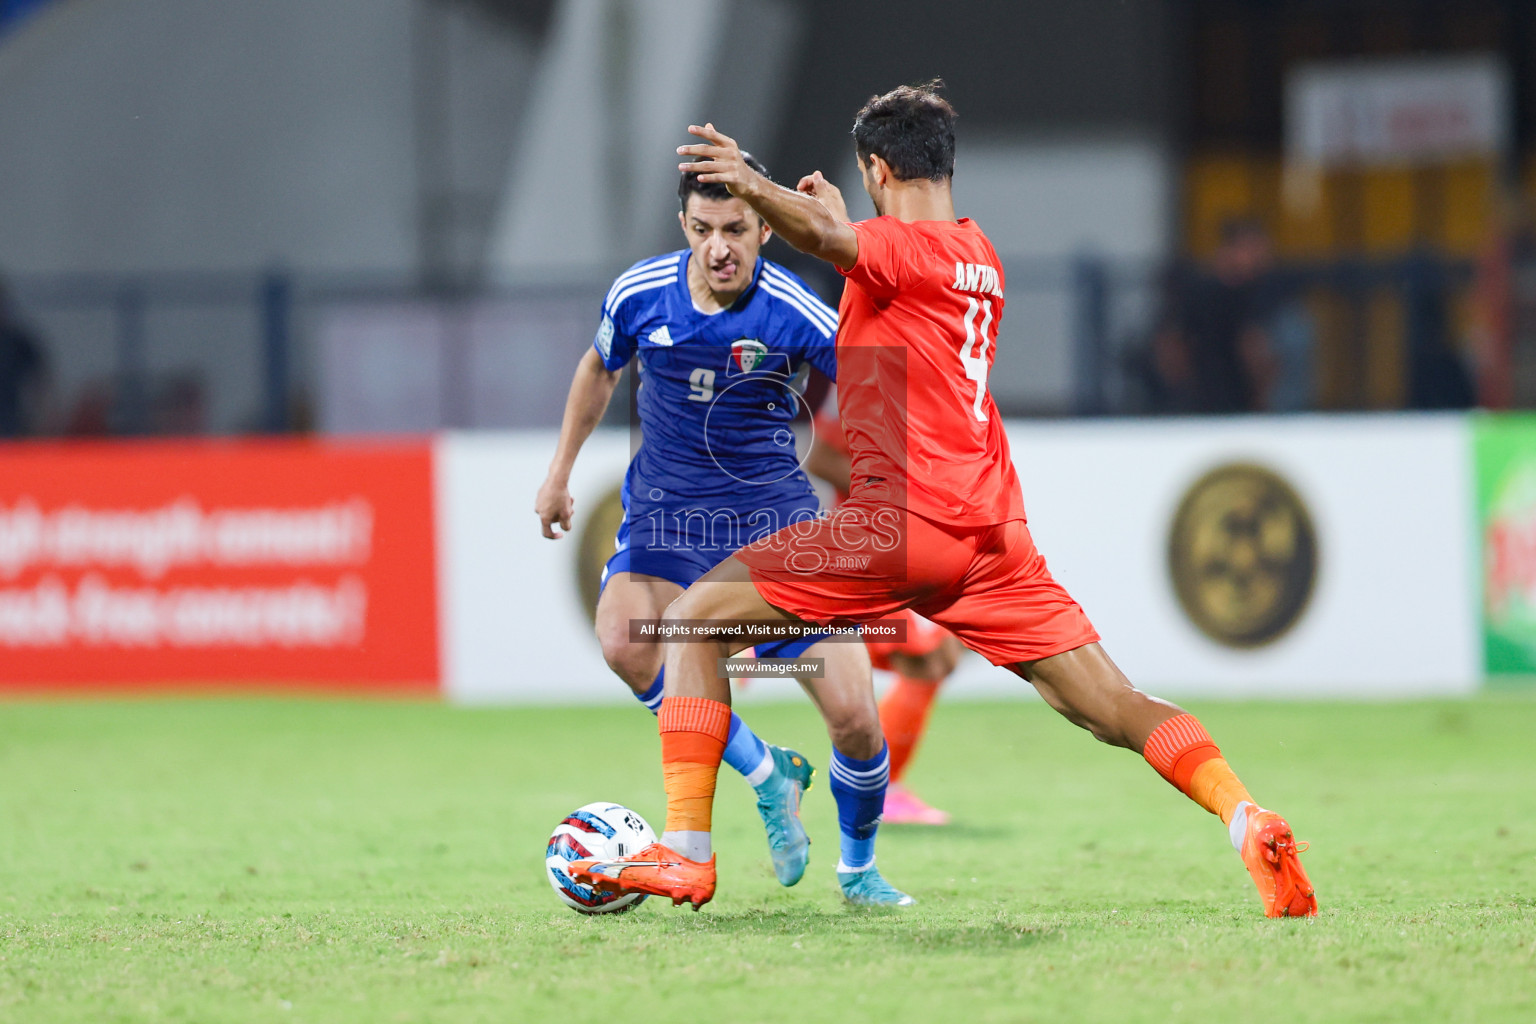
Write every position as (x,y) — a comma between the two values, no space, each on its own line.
(1184,754)
(903,716)
(693,735)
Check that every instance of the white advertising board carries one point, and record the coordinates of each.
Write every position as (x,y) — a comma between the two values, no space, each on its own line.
(512,623)
(1392,610)
(1414,110)
(1387,606)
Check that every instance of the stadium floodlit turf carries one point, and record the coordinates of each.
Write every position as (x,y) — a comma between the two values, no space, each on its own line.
(251,860)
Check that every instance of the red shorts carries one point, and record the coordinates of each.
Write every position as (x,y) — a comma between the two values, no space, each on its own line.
(922,637)
(986,584)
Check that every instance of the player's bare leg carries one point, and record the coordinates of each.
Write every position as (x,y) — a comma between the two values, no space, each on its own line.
(844,697)
(778,776)
(1091,691)
(724,595)
(629,596)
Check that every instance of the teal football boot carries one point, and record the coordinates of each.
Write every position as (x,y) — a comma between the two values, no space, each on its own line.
(778,801)
(867,888)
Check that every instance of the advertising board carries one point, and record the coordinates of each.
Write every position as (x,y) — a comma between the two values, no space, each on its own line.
(1505,455)
(217,564)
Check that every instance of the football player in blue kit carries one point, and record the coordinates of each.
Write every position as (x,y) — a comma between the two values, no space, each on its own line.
(723,339)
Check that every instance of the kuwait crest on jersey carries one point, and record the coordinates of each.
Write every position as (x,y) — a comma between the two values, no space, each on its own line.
(748,353)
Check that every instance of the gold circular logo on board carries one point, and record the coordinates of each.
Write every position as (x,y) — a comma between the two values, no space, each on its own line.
(594,546)
(1243,555)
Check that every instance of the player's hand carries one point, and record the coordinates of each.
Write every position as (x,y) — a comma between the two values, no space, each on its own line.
(721,161)
(554,505)
(825,193)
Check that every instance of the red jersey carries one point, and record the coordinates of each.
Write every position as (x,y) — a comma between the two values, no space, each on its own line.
(917,332)
(829,431)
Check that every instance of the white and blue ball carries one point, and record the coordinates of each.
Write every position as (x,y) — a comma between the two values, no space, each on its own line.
(600,830)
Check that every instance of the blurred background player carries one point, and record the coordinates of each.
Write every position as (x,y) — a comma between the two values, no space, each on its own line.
(722,336)
(921,661)
(924,296)
(23,372)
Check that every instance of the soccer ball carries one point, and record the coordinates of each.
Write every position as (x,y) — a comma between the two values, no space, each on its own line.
(597,830)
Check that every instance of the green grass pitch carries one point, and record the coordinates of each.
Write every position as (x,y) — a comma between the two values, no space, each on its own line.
(318,861)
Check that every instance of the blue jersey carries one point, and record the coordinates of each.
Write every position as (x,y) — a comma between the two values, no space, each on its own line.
(718,391)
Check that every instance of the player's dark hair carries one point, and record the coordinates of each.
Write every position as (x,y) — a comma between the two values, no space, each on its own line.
(689,184)
(911,128)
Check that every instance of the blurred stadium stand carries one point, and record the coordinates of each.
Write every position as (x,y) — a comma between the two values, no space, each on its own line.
(401,214)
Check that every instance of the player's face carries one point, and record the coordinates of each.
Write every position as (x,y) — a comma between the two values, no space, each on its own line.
(725,236)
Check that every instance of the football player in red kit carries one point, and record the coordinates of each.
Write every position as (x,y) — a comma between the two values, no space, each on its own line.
(935,521)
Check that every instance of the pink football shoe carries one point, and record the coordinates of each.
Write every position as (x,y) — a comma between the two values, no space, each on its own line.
(904,807)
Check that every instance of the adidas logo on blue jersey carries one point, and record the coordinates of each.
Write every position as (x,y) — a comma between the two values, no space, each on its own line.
(660,336)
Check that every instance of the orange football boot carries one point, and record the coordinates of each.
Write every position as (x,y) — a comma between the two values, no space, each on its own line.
(656,871)
(1272,855)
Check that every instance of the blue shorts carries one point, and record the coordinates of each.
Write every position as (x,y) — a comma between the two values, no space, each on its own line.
(679,547)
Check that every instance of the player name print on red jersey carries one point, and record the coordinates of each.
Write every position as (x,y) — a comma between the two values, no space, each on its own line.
(981,278)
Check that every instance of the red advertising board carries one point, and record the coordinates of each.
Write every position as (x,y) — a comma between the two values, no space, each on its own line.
(222,564)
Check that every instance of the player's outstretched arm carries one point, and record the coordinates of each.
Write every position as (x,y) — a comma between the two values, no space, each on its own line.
(812,219)
(591,390)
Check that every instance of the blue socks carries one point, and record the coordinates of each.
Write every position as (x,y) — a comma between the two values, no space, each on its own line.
(743,750)
(859,789)
(652,698)
(746,753)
